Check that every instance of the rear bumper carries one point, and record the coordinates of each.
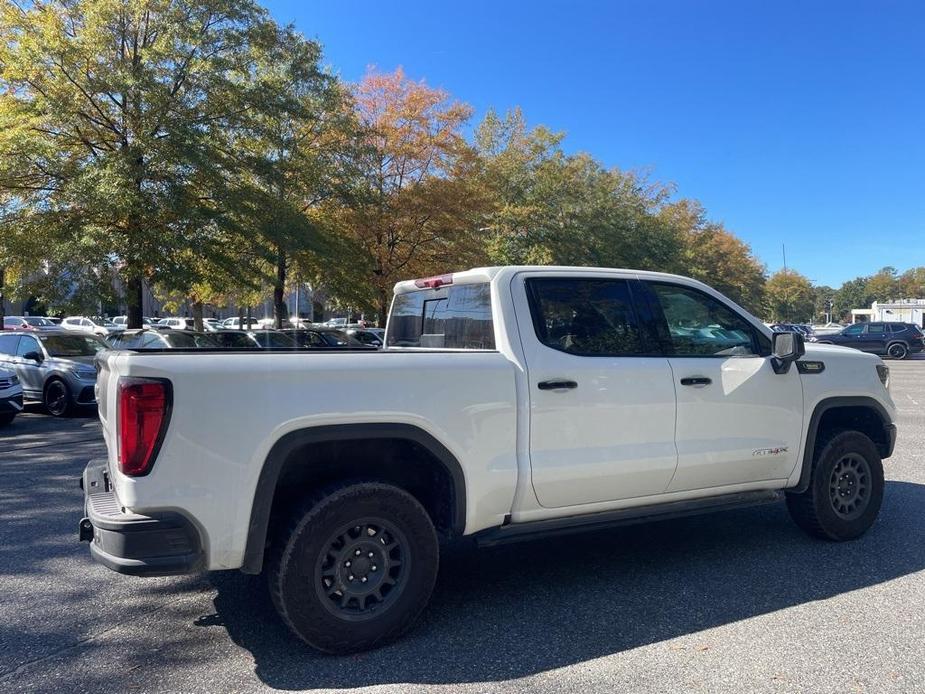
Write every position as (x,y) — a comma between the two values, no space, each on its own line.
(85,396)
(161,544)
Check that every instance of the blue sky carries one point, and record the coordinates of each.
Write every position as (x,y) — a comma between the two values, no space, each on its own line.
(796,123)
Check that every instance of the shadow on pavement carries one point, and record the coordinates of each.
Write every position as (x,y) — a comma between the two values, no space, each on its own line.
(518,610)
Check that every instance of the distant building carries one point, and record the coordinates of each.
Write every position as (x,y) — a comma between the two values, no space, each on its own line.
(896,311)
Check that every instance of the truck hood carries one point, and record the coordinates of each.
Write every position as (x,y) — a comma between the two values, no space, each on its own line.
(814,350)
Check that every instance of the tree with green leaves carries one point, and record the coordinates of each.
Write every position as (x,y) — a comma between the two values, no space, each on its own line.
(852,294)
(301,154)
(552,208)
(884,284)
(790,297)
(824,297)
(912,283)
(713,255)
(119,121)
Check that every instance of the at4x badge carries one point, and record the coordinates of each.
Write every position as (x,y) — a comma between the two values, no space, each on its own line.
(760,452)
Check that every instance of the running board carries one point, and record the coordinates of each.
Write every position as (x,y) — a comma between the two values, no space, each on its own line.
(515,532)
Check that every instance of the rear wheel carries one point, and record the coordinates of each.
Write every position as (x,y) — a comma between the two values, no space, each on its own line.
(898,350)
(845,489)
(354,568)
(57,398)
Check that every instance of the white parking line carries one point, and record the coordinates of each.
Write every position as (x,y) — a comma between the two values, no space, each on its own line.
(914,402)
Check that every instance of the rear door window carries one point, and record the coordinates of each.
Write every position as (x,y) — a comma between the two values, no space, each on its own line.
(588,317)
(876,329)
(453,317)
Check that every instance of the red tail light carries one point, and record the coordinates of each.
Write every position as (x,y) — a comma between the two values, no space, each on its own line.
(434,282)
(144,410)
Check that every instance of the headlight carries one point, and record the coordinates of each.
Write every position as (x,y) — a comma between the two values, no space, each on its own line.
(86,374)
(883,372)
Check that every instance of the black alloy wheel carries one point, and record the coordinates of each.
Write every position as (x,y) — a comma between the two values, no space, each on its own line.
(849,486)
(57,398)
(898,350)
(361,571)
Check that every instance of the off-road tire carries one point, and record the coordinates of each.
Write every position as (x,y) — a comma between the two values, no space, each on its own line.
(819,510)
(303,546)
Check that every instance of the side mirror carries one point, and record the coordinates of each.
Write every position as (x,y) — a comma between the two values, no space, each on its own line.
(33,356)
(786,348)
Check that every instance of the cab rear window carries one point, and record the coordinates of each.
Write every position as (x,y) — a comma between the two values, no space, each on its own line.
(450,317)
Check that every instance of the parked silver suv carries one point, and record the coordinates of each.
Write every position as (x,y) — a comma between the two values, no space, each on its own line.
(54,367)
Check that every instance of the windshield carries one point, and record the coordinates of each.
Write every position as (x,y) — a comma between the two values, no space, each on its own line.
(72,345)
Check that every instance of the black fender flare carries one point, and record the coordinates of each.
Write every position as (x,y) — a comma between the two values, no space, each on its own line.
(812,430)
(293,441)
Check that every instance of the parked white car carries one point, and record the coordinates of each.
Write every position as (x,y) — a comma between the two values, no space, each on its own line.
(508,403)
(87,325)
(176,323)
(237,323)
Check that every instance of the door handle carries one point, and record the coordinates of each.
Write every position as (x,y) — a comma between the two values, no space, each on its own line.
(556,385)
(696,381)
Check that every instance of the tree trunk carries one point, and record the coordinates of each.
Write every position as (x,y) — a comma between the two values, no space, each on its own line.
(383,312)
(197,316)
(2,307)
(280,310)
(240,316)
(135,295)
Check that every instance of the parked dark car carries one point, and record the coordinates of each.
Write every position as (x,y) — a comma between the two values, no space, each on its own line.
(311,338)
(253,339)
(54,367)
(161,339)
(373,337)
(272,339)
(234,339)
(897,340)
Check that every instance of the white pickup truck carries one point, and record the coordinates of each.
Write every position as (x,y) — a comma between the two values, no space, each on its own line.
(508,403)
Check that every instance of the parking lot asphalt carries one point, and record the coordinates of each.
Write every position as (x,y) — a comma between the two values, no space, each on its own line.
(736,601)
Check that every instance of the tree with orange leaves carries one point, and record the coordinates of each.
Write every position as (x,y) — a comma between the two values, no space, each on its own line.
(414,210)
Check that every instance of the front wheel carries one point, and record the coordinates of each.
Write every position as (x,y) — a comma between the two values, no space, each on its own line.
(845,489)
(898,350)
(57,398)
(355,568)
